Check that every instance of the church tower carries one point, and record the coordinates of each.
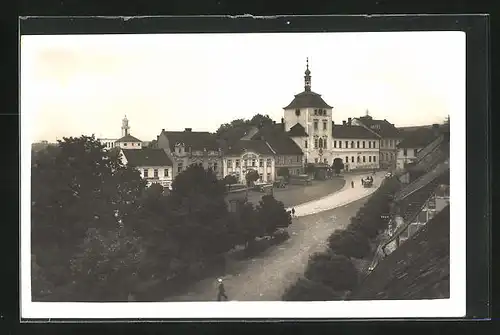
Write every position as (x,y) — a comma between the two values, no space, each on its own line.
(125,127)
(308,121)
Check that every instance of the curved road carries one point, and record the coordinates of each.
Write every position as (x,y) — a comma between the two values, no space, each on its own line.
(265,277)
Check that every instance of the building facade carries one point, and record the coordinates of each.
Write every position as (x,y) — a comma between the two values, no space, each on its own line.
(187,147)
(389,138)
(412,142)
(308,121)
(357,147)
(154,165)
(247,155)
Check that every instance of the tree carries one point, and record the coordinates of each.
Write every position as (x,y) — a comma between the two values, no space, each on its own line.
(349,243)
(308,290)
(334,271)
(310,169)
(153,144)
(242,125)
(284,172)
(251,177)
(230,180)
(337,165)
(272,215)
(78,188)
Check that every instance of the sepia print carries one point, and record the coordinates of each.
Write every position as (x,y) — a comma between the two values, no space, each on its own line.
(241,167)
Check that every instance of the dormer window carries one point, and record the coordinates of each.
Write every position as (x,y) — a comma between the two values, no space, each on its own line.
(297,112)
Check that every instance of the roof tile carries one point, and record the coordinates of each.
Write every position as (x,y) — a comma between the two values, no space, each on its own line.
(147,157)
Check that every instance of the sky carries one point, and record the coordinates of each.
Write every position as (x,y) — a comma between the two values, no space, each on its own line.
(85,84)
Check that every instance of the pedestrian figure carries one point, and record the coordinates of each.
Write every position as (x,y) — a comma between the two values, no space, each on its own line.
(293,212)
(352,183)
(221,291)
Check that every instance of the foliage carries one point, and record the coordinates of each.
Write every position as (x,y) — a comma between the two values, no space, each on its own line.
(334,271)
(337,165)
(258,120)
(153,144)
(349,243)
(252,176)
(230,180)
(308,290)
(272,214)
(78,188)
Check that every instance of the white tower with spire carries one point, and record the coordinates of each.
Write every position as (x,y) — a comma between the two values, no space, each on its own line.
(125,127)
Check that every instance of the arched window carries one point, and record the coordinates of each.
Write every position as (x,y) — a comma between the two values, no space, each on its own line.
(352,144)
(324,143)
(359,159)
(320,143)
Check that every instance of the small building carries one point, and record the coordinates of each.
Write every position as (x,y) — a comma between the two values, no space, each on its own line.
(246,155)
(128,142)
(154,165)
(356,146)
(412,142)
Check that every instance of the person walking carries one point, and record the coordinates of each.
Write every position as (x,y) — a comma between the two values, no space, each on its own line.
(352,183)
(221,291)
(293,212)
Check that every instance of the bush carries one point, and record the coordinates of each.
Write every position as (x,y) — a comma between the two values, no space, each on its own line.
(307,290)
(335,271)
(360,227)
(280,236)
(349,243)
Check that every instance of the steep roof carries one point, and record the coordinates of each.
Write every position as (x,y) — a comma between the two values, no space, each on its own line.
(279,141)
(257,146)
(128,138)
(382,127)
(307,99)
(418,269)
(351,132)
(297,131)
(196,140)
(418,138)
(147,157)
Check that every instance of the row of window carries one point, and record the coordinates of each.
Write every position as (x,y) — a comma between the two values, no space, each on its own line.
(388,156)
(359,159)
(213,166)
(280,160)
(316,123)
(387,143)
(132,144)
(371,144)
(253,162)
(405,152)
(155,173)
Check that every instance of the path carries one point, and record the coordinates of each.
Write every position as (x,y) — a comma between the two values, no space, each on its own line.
(266,276)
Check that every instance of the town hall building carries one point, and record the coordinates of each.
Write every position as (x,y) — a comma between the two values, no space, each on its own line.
(308,120)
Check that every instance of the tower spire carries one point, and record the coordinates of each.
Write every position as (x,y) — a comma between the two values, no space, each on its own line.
(307,77)
(125,126)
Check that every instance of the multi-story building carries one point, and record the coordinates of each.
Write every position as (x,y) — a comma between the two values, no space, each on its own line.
(244,156)
(188,147)
(356,146)
(154,165)
(389,138)
(308,121)
(287,154)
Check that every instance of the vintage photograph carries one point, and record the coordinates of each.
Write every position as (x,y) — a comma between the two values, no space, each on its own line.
(227,168)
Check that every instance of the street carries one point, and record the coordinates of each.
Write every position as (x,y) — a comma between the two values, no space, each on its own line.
(266,276)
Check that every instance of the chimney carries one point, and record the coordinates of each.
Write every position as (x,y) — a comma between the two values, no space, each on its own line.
(333,123)
(163,130)
(349,121)
(274,122)
(188,129)
(344,123)
(282,120)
